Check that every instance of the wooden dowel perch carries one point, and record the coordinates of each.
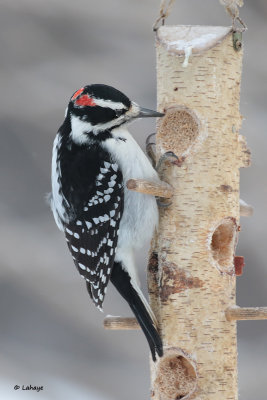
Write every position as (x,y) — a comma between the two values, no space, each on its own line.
(246,313)
(245,209)
(232,314)
(159,189)
(120,323)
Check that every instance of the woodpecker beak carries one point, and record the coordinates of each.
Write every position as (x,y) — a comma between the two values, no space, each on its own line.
(145,112)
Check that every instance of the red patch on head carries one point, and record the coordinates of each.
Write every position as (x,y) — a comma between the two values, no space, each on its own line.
(76,94)
(85,100)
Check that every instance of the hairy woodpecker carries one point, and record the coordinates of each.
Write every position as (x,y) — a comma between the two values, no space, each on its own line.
(104,223)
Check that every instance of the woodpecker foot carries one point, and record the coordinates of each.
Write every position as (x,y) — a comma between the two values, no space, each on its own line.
(162,203)
(150,149)
(167,158)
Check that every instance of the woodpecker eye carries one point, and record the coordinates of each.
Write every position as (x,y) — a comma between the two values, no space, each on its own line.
(119,112)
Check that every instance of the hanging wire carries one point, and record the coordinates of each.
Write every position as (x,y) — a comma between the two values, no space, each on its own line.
(231,7)
(164,11)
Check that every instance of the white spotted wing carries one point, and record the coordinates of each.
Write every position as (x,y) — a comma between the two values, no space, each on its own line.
(93,234)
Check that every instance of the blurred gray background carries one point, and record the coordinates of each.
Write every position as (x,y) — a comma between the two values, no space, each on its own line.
(50,333)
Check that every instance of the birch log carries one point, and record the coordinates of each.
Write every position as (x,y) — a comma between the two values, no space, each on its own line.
(191,273)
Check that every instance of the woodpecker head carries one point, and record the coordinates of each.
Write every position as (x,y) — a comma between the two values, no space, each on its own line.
(98,108)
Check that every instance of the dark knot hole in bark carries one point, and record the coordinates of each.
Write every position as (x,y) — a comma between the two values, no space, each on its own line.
(223,244)
(176,377)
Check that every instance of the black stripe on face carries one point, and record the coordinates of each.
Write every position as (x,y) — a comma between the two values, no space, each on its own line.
(97,115)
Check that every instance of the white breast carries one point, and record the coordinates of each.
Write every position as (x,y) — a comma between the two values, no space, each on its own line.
(57,197)
(140,214)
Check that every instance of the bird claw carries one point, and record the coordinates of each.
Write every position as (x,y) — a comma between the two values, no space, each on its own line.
(170,157)
(149,149)
(148,139)
(162,204)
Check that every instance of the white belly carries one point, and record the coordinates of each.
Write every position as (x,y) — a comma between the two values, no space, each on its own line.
(140,215)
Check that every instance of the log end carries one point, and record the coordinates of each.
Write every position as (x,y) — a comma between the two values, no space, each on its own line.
(197,38)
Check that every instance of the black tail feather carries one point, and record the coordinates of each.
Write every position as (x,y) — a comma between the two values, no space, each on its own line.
(122,281)
(148,328)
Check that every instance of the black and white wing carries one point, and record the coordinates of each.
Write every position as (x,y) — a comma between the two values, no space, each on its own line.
(93,234)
